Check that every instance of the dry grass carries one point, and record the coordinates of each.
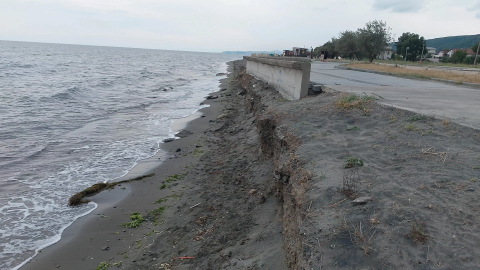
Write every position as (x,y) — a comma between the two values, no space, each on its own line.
(348,101)
(425,74)
(446,123)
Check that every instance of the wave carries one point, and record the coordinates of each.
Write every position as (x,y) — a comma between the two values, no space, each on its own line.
(70,93)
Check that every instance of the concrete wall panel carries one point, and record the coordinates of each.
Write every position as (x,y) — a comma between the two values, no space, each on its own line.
(290,78)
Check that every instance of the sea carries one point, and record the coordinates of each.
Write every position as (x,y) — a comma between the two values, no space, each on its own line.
(72,116)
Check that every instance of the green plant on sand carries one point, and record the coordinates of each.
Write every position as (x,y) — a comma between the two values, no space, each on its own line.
(175,177)
(348,101)
(418,233)
(105,265)
(351,162)
(137,220)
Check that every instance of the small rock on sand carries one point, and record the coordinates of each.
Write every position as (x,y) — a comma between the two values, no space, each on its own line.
(252,191)
(168,140)
(183,133)
(361,200)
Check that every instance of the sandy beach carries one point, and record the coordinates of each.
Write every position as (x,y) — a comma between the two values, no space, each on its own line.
(260,182)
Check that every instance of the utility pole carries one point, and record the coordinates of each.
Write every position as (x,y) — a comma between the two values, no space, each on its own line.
(476,55)
(406,53)
(421,57)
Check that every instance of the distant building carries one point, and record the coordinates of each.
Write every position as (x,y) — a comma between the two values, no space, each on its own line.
(287,53)
(431,50)
(300,52)
(442,53)
(386,54)
(470,52)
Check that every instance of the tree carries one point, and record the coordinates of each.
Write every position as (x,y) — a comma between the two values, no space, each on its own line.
(474,48)
(458,57)
(347,45)
(373,38)
(415,44)
(330,48)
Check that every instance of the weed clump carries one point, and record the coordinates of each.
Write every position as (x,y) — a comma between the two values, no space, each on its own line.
(105,265)
(411,127)
(137,220)
(198,152)
(175,177)
(348,101)
(417,117)
(157,213)
(351,162)
(418,233)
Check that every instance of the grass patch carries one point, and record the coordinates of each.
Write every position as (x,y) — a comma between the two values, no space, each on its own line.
(175,177)
(157,213)
(411,127)
(351,162)
(137,220)
(420,74)
(417,117)
(161,200)
(198,152)
(163,186)
(79,198)
(105,265)
(354,128)
(348,101)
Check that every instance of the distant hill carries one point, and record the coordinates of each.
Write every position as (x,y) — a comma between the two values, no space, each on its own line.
(455,42)
(250,52)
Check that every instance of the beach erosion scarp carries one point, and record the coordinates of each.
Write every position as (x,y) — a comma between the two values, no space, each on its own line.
(333,181)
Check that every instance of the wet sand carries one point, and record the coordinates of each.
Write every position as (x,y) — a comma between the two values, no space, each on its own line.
(100,236)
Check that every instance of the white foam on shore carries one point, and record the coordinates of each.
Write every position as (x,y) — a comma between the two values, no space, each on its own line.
(57,237)
(141,167)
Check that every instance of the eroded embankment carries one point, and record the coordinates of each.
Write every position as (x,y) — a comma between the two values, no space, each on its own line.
(278,144)
(419,177)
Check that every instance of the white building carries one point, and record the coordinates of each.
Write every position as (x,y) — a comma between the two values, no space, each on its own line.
(431,51)
(386,54)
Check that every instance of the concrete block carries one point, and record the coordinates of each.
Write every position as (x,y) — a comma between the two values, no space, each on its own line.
(317,88)
(290,78)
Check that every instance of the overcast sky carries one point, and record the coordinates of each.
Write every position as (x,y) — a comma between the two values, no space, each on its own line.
(219,25)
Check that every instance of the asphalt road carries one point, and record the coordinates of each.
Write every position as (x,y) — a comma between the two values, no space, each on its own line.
(455,103)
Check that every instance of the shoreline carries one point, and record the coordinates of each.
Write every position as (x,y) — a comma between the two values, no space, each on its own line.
(54,255)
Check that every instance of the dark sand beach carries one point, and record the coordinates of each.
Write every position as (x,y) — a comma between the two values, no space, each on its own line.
(265,183)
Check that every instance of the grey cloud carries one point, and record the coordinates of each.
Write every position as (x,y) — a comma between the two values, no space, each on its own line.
(475,8)
(399,6)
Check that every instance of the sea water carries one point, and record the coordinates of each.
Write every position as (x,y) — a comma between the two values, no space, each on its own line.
(72,116)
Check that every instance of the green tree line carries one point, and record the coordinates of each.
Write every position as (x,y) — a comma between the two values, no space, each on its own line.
(367,42)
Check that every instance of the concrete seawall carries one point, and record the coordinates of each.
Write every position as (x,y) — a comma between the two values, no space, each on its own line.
(289,77)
